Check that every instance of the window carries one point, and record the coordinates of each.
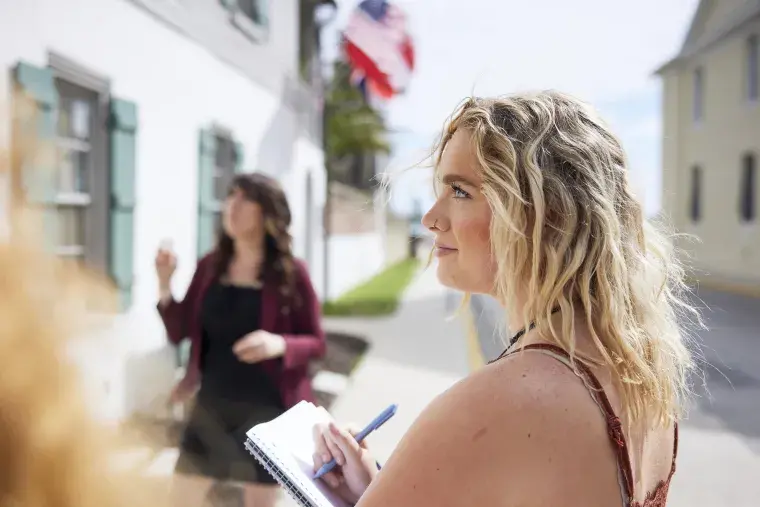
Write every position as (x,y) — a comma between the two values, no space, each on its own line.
(221,158)
(224,170)
(81,188)
(250,16)
(698,105)
(87,198)
(752,68)
(696,194)
(747,189)
(253,10)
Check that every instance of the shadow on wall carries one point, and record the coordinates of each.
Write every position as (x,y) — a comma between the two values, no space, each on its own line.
(277,147)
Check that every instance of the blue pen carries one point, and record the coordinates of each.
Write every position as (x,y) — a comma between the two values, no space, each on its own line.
(375,424)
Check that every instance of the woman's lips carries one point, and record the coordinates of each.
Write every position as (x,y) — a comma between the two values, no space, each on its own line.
(441,251)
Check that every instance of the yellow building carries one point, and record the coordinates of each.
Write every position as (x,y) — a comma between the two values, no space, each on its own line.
(711,143)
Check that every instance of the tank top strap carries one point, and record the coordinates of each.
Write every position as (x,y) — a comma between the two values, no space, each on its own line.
(675,449)
(595,389)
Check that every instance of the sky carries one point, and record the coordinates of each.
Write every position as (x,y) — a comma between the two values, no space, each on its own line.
(605,52)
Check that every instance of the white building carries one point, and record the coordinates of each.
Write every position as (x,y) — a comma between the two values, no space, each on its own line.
(711,143)
(157,104)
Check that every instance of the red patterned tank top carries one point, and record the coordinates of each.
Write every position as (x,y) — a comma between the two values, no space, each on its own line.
(655,498)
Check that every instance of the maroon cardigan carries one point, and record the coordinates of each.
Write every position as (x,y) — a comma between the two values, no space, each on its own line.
(300,326)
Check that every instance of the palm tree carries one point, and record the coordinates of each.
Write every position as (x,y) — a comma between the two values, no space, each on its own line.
(353,128)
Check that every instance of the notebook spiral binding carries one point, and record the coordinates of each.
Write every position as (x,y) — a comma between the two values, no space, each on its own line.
(257,451)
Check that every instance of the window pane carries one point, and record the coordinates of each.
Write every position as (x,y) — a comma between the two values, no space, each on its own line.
(251,9)
(696,194)
(225,153)
(72,175)
(64,118)
(225,166)
(752,68)
(698,93)
(747,192)
(74,118)
(71,226)
(221,183)
(217,224)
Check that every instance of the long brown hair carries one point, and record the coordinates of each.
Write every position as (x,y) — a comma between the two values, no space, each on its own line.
(279,264)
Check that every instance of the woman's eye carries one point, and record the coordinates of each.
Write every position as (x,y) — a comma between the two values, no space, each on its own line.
(459,193)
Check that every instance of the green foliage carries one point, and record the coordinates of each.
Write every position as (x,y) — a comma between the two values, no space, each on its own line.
(353,127)
(378,296)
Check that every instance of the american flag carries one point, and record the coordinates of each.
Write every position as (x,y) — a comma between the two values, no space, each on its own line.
(379,48)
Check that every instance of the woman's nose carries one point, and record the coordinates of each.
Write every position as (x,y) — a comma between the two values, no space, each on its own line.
(430,219)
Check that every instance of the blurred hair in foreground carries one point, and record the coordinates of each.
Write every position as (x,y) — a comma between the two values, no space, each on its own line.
(53,452)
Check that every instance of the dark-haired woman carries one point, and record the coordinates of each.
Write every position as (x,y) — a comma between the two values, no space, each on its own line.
(253,320)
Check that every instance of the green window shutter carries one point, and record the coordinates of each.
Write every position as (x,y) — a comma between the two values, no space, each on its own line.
(36,127)
(239,158)
(264,12)
(208,206)
(123,141)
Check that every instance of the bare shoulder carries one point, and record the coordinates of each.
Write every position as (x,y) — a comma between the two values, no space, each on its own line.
(505,434)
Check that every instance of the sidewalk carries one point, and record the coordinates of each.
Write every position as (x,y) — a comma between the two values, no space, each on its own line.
(414,356)
(715,468)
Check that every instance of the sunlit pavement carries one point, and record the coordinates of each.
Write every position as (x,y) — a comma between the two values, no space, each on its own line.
(719,456)
(414,356)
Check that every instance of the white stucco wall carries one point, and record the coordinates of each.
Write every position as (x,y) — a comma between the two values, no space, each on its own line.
(310,160)
(179,87)
(354,259)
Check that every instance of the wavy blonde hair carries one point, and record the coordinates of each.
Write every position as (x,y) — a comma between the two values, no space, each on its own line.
(53,450)
(568,232)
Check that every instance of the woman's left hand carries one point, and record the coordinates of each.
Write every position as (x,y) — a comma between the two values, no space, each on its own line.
(259,346)
(356,467)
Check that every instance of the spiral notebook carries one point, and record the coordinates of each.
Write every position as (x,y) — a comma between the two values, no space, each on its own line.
(285,446)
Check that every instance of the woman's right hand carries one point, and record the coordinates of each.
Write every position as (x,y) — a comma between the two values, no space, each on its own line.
(166,264)
(355,465)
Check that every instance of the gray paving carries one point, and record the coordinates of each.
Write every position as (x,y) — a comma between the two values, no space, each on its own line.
(719,461)
(729,390)
(415,355)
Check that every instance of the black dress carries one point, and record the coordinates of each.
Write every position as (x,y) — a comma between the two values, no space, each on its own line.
(233,397)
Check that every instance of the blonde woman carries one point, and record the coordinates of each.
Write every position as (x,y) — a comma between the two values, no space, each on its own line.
(535,208)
